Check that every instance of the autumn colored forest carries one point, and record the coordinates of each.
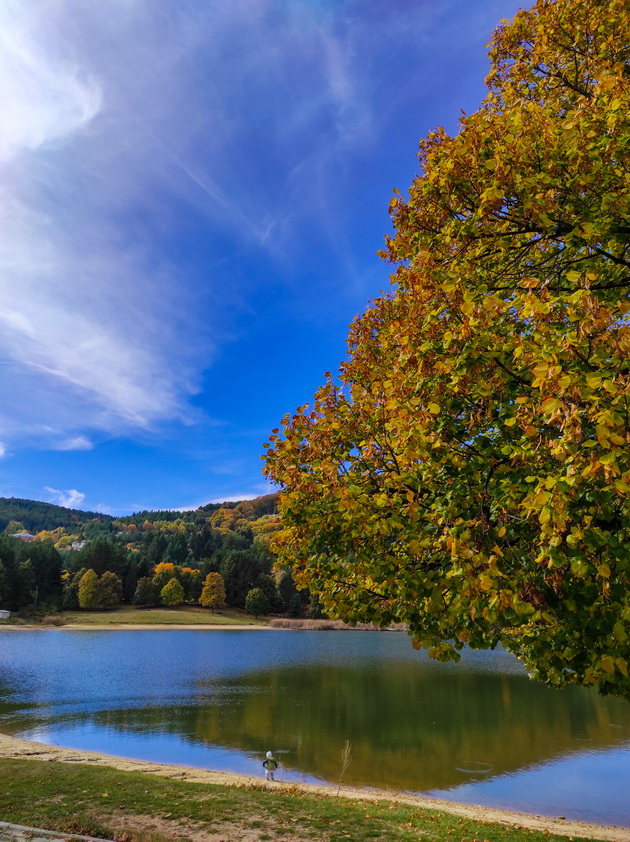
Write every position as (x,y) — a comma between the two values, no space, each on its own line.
(53,558)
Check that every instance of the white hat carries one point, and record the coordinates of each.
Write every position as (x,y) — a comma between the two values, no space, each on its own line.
(269,754)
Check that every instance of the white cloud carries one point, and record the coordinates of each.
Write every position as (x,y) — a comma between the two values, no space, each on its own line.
(76,443)
(44,97)
(106,509)
(3,449)
(233,498)
(70,498)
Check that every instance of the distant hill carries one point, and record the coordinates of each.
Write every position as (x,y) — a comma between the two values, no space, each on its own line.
(36,516)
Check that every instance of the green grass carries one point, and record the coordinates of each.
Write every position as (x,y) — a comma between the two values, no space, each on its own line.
(100,801)
(182,615)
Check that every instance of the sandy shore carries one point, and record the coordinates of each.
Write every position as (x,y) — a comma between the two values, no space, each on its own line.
(138,627)
(26,749)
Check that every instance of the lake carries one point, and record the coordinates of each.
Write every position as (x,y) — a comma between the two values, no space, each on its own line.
(479,731)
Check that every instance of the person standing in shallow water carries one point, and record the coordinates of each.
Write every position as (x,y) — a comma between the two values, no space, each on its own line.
(271,764)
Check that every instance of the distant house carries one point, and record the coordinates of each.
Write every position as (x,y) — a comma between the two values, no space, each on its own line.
(23,536)
(4,615)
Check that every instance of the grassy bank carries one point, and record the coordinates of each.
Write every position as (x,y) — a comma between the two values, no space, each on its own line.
(136,807)
(129,615)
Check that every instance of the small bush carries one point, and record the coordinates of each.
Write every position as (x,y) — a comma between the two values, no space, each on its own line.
(53,620)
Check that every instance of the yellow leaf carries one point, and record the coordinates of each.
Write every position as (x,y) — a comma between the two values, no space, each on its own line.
(485,583)
(622,666)
(434,408)
(550,405)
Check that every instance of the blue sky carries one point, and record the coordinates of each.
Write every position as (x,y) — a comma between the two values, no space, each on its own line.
(193,195)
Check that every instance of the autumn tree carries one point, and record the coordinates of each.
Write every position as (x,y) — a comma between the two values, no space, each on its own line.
(102,592)
(469,473)
(164,572)
(213,593)
(88,590)
(172,593)
(110,590)
(13,527)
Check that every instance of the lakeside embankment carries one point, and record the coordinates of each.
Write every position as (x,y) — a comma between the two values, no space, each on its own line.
(498,824)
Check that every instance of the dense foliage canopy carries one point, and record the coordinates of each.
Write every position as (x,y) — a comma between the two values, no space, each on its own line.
(470,473)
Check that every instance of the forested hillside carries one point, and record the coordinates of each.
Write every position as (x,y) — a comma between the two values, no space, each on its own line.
(35,516)
(217,556)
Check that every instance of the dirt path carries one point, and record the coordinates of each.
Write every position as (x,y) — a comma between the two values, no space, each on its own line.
(26,749)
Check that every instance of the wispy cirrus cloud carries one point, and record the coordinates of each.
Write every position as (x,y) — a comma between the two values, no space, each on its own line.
(112,128)
(146,146)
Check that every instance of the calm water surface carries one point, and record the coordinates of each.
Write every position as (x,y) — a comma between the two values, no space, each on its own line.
(478,731)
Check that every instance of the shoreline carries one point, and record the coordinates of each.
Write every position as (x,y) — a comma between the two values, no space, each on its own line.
(139,627)
(21,749)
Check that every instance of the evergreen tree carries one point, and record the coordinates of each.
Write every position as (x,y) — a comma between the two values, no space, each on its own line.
(267,585)
(26,592)
(101,555)
(46,564)
(71,590)
(192,582)
(147,592)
